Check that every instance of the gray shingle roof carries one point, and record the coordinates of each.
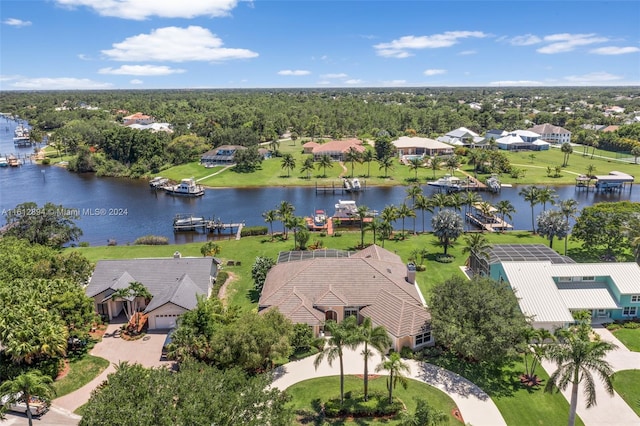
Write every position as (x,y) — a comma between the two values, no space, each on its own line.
(182,293)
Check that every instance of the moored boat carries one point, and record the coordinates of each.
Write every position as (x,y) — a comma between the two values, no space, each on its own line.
(158,182)
(4,162)
(187,187)
(14,161)
(21,136)
(346,209)
(448,182)
(320,218)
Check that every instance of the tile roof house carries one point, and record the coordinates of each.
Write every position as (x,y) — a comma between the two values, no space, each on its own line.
(550,287)
(551,133)
(137,118)
(372,283)
(406,145)
(174,284)
(337,149)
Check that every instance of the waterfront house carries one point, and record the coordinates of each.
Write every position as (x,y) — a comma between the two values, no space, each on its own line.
(174,284)
(551,133)
(462,137)
(312,287)
(417,146)
(336,149)
(550,287)
(221,155)
(522,140)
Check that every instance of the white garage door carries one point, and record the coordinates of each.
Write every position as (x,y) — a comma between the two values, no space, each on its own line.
(166,321)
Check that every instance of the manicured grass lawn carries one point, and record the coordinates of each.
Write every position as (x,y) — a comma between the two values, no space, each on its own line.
(81,372)
(627,384)
(304,393)
(630,338)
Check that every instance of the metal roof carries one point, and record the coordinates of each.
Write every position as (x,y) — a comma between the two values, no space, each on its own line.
(292,256)
(525,252)
(587,296)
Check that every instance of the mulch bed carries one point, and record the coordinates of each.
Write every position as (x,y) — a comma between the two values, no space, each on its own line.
(530,380)
(371,376)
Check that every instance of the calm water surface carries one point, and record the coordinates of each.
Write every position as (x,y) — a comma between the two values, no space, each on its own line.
(134,210)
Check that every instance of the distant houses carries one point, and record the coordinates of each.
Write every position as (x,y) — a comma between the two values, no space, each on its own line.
(225,155)
(140,121)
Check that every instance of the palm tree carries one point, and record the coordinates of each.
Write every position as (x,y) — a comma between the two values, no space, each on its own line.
(362,213)
(388,215)
(308,166)
(396,367)
(577,358)
(594,146)
(469,198)
(412,192)
(566,149)
(26,386)
(274,145)
(590,169)
(530,194)
(377,338)
(440,200)
(452,163)
(423,203)
(295,223)
(456,200)
(353,156)
(324,162)
(375,226)
(546,195)
(270,216)
(477,244)
(435,165)
(368,156)
(568,208)
(386,163)
(131,295)
(288,163)
(447,226)
(415,164)
(403,212)
(285,209)
(504,208)
(537,343)
(342,336)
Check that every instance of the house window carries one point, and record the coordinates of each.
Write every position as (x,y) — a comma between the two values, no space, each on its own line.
(629,311)
(350,311)
(565,279)
(588,278)
(635,298)
(423,338)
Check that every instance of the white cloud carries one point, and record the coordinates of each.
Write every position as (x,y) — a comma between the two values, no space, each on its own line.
(151,70)
(400,48)
(566,42)
(615,50)
(593,78)
(330,76)
(143,9)
(394,83)
(62,83)
(174,44)
(14,22)
(468,52)
(294,72)
(516,83)
(136,81)
(434,72)
(525,40)
(354,81)
(84,57)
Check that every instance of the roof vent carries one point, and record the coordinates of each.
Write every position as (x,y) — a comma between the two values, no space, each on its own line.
(177,255)
(411,273)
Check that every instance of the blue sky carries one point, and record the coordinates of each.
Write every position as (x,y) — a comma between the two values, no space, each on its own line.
(155,44)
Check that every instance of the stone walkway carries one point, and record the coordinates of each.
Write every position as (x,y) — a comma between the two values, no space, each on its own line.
(474,404)
(610,410)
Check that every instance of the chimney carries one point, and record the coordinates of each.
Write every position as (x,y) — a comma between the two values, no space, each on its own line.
(177,255)
(411,273)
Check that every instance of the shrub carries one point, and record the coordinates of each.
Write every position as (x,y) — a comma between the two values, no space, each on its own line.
(354,405)
(444,258)
(84,244)
(249,231)
(631,325)
(406,352)
(613,326)
(151,240)
(46,161)
(220,280)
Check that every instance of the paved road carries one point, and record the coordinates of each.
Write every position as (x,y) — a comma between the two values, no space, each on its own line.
(610,410)
(474,404)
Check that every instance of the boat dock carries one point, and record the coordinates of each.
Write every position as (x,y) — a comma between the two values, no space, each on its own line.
(182,223)
(613,182)
(339,188)
(487,220)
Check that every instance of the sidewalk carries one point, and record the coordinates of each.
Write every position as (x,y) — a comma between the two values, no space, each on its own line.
(474,404)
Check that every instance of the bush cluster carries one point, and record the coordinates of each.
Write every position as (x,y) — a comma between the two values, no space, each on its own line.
(249,231)
(354,405)
(151,240)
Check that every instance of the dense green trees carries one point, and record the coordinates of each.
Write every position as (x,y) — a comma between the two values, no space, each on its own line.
(479,320)
(50,225)
(196,394)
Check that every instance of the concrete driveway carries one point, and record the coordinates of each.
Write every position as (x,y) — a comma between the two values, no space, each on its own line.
(145,351)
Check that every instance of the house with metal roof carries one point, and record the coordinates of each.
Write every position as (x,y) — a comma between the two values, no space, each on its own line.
(550,287)
(462,137)
(175,283)
(332,285)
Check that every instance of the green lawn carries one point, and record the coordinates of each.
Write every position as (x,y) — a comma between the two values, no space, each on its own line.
(627,384)
(305,392)
(630,338)
(81,372)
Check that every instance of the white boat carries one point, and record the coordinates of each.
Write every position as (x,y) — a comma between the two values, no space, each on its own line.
(14,161)
(493,183)
(346,208)
(187,221)
(351,185)
(320,218)
(158,182)
(4,162)
(355,184)
(186,187)
(450,183)
(21,136)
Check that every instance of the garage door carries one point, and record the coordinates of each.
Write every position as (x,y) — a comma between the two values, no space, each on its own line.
(166,321)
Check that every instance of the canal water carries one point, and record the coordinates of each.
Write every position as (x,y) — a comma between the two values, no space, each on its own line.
(123,210)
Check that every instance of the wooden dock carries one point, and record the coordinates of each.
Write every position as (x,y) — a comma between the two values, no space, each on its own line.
(338,188)
(184,223)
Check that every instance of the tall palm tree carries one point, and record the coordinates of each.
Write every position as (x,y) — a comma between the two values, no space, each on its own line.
(388,215)
(362,212)
(423,203)
(505,209)
(405,211)
(469,198)
(396,368)
(308,166)
(566,149)
(295,223)
(412,192)
(537,343)
(530,194)
(440,200)
(415,164)
(342,336)
(353,156)
(577,358)
(270,216)
(324,162)
(386,163)
(26,386)
(288,163)
(452,163)
(285,209)
(546,195)
(568,208)
(447,227)
(478,244)
(377,338)
(368,156)
(435,165)
(375,226)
